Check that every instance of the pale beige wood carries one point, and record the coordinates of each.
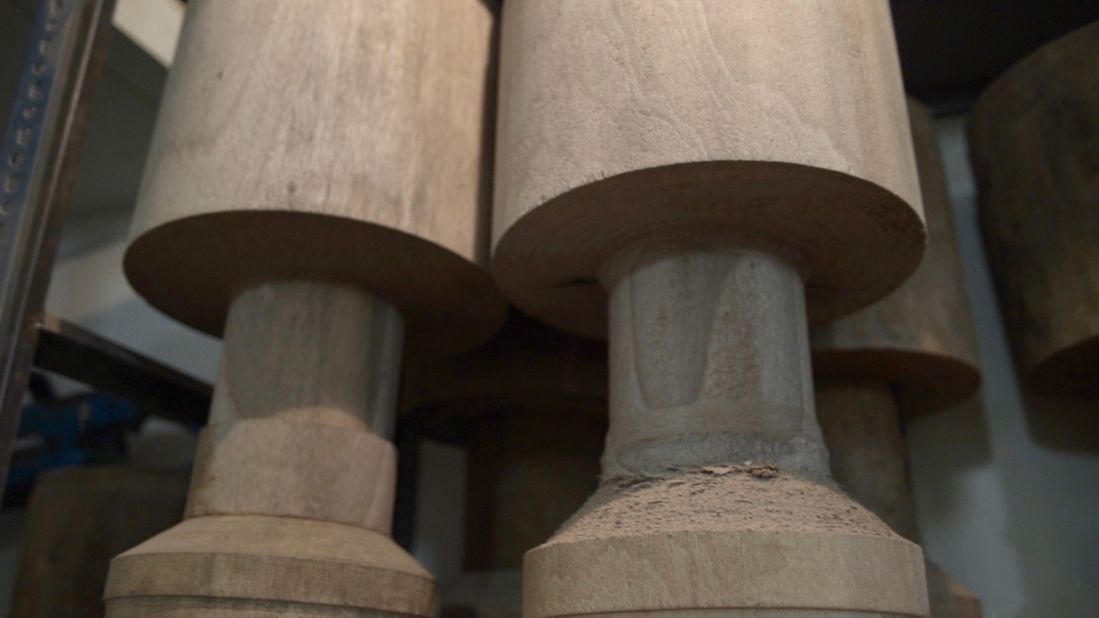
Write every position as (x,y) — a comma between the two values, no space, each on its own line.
(286,356)
(715,490)
(708,363)
(861,422)
(770,123)
(294,470)
(184,607)
(323,139)
(292,494)
(920,338)
(723,170)
(816,574)
(749,613)
(1032,142)
(288,564)
(316,179)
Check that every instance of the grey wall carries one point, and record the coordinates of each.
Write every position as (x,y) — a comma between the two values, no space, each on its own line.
(1007,485)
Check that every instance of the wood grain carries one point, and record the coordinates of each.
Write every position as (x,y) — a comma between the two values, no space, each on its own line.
(715,492)
(776,124)
(1033,142)
(788,574)
(285,565)
(294,404)
(920,338)
(329,140)
(708,364)
(314,353)
(719,171)
(292,494)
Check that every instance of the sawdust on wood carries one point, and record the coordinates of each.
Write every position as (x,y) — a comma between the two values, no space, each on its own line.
(749,497)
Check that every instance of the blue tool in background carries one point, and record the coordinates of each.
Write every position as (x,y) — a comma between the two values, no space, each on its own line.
(75,431)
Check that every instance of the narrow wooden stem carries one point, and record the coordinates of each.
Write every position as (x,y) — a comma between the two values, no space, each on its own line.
(310,353)
(307,371)
(861,426)
(709,363)
(529,472)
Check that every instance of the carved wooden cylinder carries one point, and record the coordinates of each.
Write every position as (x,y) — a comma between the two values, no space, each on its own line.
(920,338)
(315,189)
(530,404)
(775,124)
(869,459)
(913,351)
(292,494)
(718,171)
(326,139)
(1033,137)
(78,518)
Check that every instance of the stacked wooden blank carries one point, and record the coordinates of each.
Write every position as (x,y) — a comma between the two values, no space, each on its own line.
(77,519)
(694,179)
(914,350)
(531,407)
(314,191)
(1032,140)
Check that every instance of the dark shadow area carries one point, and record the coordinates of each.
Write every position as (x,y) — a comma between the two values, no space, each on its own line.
(951,50)
(1062,422)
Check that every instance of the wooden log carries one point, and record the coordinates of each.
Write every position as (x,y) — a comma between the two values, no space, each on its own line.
(1032,141)
(76,521)
(326,139)
(294,403)
(920,338)
(862,428)
(721,170)
(315,183)
(715,491)
(531,406)
(915,351)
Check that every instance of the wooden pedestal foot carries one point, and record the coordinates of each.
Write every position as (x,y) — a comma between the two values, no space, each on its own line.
(291,500)
(714,460)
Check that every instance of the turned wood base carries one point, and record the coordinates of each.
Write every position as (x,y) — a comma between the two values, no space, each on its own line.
(249,564)
(769,544)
